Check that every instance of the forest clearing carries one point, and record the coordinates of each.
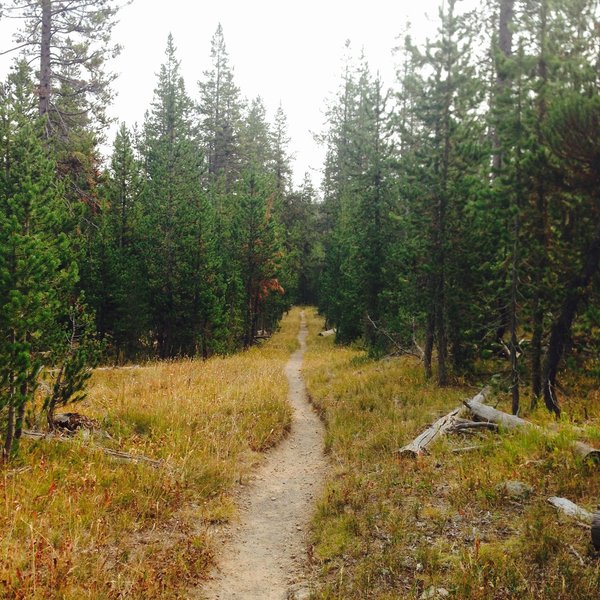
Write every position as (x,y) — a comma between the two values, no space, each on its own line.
(310,313)
(79,524)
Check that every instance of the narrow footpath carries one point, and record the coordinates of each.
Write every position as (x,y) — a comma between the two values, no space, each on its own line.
(266,555)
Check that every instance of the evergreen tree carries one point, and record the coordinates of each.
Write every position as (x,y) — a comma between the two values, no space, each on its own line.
(71,40)
(183,287)
(255,138)
(281,158)
(335,189)
(303,255)
(259,253)
(117,287)
(220,114)
(36,272)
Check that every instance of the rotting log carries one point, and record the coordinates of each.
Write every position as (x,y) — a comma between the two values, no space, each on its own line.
(116,454)
(419,445)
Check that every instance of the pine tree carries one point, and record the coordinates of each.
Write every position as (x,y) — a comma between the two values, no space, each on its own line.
(256,150)
(258,254)
(220,114)
(117,287)
(281,157)
(71,40)
(36,272)
(177,223)
(303,255)
(335,286)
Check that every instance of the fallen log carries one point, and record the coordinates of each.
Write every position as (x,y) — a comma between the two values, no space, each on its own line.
(136,458)
(116,454)
(327,333)
(489,414)
(584,517)
(586,451)
(118,368)
(572,510)
(466,426)
(419,445)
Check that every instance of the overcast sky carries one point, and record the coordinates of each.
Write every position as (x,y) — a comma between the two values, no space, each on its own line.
(288,52)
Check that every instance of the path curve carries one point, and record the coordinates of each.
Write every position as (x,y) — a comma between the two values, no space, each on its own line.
(265,556)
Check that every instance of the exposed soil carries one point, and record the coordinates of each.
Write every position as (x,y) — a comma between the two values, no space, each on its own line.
(265,555)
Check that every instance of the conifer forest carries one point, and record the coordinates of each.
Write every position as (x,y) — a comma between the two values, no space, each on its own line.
(454,225)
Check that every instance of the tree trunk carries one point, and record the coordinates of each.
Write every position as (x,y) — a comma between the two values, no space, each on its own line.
(21,412)
(514,343)
(505,46)
(596,530)
(561,329)
(536,351)
(10,432)
(45,59)
(538,300)
(441,338)
(541,238)
(429,337)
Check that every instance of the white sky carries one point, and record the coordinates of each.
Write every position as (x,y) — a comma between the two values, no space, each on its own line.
(288,52)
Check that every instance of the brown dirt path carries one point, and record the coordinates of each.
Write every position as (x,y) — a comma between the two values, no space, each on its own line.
(265,557)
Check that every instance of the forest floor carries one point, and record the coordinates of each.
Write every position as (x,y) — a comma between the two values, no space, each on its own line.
(264,556)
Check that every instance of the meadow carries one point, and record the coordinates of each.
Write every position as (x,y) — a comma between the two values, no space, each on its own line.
(77,524)
(442,525)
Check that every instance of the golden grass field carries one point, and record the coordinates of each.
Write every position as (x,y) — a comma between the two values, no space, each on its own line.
(390,528)
(76,524)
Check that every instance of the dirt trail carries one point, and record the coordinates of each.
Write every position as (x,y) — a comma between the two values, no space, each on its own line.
(265,557)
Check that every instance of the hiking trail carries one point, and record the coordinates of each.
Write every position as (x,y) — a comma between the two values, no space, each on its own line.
(264,557)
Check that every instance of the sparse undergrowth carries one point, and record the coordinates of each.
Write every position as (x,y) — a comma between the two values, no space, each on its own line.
(75,524)
(391,528)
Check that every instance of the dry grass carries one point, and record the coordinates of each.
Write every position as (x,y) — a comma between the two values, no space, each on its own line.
(75,524)
(390,528)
